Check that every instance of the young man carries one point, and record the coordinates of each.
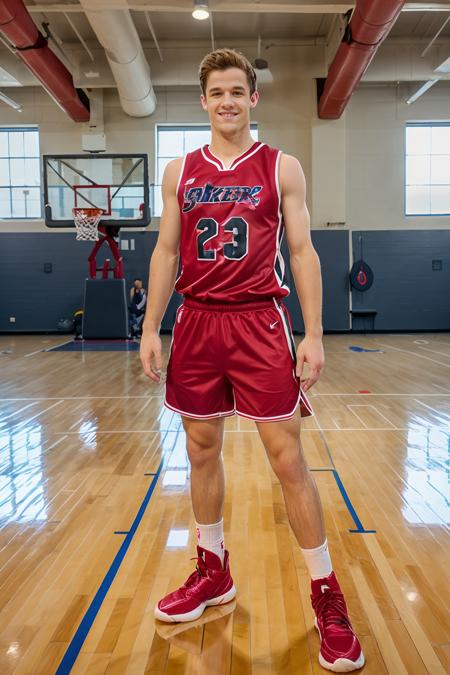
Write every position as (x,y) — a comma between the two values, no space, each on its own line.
(225,208)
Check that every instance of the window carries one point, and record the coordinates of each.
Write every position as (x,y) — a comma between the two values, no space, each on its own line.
(427,185)
(175,141)
(20,182)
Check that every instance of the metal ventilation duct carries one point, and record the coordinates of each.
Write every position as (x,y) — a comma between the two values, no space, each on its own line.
(117,34)
(370,23)
(31,46)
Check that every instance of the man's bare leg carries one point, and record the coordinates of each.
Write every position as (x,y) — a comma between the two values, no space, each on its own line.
(204,439)
(340,650)
(282,443)
(211,583)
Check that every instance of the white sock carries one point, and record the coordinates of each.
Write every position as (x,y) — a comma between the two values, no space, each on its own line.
(318,561)
(211,537)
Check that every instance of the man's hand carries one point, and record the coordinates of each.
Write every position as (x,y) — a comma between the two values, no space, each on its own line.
(151,355)
(310,350)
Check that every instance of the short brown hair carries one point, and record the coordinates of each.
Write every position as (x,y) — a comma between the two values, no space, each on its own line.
(221,59)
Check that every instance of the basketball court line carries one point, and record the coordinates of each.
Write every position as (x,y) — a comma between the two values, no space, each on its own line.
(251,431)
(46,349)
(126,396)
(74,424)
(90,615)
(349,406)
(32,353)
(370,405)
(16,412)
(407,351)
(433,351)
(55,443)
(438,412)
(440,387)
(360,529)
(30,419)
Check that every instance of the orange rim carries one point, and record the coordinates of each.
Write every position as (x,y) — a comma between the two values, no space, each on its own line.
(88,212)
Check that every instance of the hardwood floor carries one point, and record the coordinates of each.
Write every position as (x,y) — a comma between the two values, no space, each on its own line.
(96,524)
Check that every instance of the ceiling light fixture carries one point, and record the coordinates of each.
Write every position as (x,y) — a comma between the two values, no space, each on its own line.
(421,90)
(261,66)
(10,102)
(201,10)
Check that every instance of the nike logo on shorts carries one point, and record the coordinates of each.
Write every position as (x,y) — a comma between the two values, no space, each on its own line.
(272,325)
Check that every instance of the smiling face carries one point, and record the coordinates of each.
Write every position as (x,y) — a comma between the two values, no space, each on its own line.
(228,101)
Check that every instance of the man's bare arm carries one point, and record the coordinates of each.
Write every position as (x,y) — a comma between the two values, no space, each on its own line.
(304,261)
(162,275)
(305,267)
(164,261)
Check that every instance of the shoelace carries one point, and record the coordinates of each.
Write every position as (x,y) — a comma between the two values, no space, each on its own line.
(330,606)
(193,578)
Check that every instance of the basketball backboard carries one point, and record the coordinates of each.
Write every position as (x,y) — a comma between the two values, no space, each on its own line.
(117,184)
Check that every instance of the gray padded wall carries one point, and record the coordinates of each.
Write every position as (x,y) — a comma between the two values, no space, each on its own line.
(332,249)
(38,300)
(407,293)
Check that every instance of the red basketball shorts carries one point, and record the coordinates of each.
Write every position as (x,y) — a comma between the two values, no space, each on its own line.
(236,358)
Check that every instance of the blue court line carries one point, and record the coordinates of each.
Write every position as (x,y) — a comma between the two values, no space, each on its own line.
(88,619)
(360,527)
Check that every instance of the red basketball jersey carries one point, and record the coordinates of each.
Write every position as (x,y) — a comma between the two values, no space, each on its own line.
(231,226)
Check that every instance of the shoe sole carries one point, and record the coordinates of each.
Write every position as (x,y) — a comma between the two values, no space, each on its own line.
(340,665)
(196,613)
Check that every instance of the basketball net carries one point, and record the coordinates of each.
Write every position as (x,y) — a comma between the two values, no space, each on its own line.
(86,221)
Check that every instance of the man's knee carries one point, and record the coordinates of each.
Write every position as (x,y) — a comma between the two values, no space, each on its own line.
(203,440)
(288,463)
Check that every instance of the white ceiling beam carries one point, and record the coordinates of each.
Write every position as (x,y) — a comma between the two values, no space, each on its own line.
(152,31)
(219,6)
(435,37)
(334,37)
(426,7)
(79,36)
(212,30)
(227,6)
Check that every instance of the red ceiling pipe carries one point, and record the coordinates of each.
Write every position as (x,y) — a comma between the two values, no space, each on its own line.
(31,46)
(370,23)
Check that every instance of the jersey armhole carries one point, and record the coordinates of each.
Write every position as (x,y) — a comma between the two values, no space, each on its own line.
(277,177)
(181,176)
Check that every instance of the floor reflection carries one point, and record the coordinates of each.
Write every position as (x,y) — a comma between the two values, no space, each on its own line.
(427,474)
(188,636)
(22,496)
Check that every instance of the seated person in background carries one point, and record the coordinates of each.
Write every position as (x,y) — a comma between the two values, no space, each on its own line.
(138,298)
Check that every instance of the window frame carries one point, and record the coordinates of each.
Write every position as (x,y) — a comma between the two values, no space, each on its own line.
(24,128)
(427,124)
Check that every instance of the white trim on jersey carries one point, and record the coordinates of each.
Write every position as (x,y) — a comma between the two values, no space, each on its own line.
(287,330)
(181,174)
(173,329)
(218,166)
(233,166)
(278,417)
(182,412)
(235,163)
(278,254)
(177,190)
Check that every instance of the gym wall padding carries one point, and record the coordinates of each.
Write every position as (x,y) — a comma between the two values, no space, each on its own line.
(407,293)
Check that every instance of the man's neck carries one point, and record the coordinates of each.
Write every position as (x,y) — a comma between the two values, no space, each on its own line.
(228,149)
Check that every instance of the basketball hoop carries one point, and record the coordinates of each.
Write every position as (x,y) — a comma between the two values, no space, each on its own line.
(86,221)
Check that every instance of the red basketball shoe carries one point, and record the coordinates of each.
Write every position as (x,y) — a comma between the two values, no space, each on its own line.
(340,650)
(210,584)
